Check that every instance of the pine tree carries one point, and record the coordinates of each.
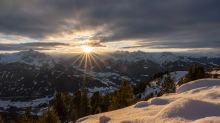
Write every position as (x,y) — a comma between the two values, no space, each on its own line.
(20,118)
(106,102)
(211,69)
(198,72)
(215,76)
(10,121)
(50,116)
(63,104)
(96,101)
(77,104)
(123,97)
(85,107)
(98,110)
(1,119)
(39,120)
(169,85)
(28,116)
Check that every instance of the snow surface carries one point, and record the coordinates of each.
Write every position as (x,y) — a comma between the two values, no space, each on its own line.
(195,102)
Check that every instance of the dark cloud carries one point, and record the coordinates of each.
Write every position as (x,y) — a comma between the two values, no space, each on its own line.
(155,24)
(33,45)
(43,46)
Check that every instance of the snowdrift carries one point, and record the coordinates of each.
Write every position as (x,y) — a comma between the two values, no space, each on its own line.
(196,102)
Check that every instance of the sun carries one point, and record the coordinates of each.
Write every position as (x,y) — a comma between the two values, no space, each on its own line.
(87,49)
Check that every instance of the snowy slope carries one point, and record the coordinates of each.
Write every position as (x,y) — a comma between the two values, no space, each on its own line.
(197,104)
(154,87)
(30,57)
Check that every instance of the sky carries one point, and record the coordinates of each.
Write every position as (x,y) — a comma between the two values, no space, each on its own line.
(109,25)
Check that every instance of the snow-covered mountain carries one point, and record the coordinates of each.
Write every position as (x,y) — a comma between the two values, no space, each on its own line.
(159,58)
(30,57)
(196,102)
(209,55)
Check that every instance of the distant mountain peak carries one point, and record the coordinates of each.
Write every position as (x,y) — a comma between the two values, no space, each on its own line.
(30,57)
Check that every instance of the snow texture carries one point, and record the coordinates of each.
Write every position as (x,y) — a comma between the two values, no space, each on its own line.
(196,102)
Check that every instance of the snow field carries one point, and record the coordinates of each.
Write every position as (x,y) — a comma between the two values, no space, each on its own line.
(195,102)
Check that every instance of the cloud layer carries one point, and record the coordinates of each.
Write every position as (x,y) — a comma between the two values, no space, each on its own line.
(152,24)
(44,46)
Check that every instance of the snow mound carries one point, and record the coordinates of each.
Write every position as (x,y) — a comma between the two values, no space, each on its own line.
(197,84)
(104,119)
(208,120)
(196,102)
(159,101)
(190,109)
(141,104)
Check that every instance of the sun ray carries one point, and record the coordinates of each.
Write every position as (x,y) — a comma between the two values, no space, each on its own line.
(96,63)
(85,70)
(74,62)
(70,65)
(79,64)
(90,62)
(100,59)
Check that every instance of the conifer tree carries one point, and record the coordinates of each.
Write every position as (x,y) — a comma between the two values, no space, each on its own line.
(96,101)
(195,72)
(63,104)
(10,121)
(106,102)
(50,116)
(198,72)
(211,69)
(215,76)
(98,110)
(39,120)
(169,85)
(77,104)
(1,119)
(123,97)
(28,116)
(20,118)
(85,107)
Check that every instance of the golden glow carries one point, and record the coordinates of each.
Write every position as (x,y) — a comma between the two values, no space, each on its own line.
(87,49)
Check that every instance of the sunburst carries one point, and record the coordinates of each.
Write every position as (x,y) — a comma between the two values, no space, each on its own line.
(88,57)
(87,49)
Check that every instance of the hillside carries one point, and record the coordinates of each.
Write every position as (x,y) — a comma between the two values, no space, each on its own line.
(196,101)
